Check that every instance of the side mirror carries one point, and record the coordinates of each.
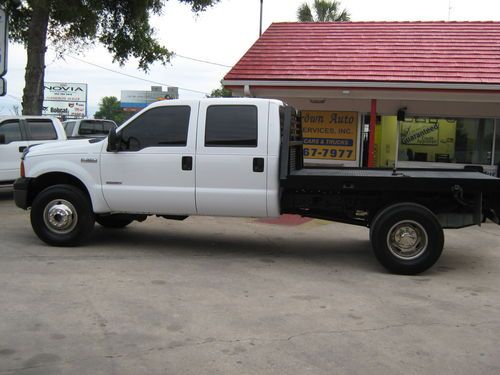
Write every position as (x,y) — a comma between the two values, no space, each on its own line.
(114,140)
(2,139)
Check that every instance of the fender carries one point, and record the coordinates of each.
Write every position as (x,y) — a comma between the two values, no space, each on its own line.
(76,166)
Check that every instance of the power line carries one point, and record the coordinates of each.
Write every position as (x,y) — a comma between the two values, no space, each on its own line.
(132,76)
(202,61)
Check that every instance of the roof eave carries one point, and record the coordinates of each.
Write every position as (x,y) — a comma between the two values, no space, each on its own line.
(365,85)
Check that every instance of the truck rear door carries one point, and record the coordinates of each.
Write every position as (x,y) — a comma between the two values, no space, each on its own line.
(231,158)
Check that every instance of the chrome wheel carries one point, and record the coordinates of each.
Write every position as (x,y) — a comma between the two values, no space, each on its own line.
(60,216)
(407,240)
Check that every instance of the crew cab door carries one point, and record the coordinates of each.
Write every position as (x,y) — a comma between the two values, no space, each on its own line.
(231,160)
(13,141)
(154,170)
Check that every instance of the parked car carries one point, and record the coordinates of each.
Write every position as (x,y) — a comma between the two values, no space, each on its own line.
(88,128)
(19,132)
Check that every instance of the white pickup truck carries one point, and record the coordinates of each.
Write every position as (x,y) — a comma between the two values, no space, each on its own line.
(241,157)
(19,132)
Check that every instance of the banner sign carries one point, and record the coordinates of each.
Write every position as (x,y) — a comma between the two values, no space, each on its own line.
(330,135)
(67,109)
(65,99)
(134,99)
(423,132)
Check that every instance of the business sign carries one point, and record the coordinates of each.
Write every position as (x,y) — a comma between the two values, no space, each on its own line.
(134,99)
(424,132)
(67,109)
(65,99)
(330,135)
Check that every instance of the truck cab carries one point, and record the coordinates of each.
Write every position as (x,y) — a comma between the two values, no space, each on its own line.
(205,157)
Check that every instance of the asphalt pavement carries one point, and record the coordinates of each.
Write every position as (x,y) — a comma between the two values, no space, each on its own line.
(241,296)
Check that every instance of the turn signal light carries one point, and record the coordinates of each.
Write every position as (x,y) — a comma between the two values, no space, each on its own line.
(23,173)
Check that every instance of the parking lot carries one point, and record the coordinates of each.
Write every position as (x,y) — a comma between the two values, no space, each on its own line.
(239,296)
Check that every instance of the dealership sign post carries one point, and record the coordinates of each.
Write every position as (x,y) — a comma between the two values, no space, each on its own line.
(68,100)
(3,51)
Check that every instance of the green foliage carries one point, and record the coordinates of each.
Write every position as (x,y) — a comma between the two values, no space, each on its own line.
(121,26)
(324,11)
(221,92)
(109,108)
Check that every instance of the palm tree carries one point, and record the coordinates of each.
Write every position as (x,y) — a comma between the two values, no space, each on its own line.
(325,11)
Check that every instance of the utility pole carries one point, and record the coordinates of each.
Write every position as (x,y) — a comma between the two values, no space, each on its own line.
(261,6)
(449,9)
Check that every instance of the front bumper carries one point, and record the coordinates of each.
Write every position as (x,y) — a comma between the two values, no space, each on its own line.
(21,186)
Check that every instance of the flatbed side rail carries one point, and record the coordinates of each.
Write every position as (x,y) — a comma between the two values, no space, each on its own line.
(291,154)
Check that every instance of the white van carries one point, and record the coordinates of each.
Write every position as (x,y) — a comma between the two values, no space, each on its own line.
(19,132)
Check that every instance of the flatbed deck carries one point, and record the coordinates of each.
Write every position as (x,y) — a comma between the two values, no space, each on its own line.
(357,179)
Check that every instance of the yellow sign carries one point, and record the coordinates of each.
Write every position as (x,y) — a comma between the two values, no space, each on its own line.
(420,132)
(330,135)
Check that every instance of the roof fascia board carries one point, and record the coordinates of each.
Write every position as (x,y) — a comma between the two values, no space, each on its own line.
(367,85)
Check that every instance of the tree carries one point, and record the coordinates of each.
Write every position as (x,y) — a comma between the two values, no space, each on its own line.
(324,10)
(109,108)
(221,92)
(122,26)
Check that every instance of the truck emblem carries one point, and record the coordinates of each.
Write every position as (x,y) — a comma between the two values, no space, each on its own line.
(88,160)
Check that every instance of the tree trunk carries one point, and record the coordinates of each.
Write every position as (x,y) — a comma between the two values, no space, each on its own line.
(35,67)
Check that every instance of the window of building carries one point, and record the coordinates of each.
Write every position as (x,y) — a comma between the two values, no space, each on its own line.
(11,130)
(436,140)
(231,126)
(158,127)
(42,130)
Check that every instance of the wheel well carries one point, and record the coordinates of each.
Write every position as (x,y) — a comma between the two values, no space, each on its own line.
(54,178)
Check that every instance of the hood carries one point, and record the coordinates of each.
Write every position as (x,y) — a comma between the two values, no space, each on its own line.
(77,146)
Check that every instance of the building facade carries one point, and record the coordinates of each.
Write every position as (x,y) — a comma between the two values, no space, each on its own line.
(352,79)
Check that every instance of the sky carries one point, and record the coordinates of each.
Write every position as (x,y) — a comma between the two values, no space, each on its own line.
(221,34)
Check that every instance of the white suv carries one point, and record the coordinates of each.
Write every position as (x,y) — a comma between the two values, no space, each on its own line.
(19,132)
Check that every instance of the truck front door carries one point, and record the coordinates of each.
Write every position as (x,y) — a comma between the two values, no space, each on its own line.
(231,159)
(154,169)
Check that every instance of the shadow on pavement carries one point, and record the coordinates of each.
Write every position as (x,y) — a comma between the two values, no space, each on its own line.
(353,252)
(6,194)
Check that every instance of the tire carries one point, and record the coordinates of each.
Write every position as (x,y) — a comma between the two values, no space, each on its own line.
(406,238)
(115,221)
(61,215)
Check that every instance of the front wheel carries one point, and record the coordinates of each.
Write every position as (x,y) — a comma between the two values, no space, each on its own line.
(407,238)
(61,215)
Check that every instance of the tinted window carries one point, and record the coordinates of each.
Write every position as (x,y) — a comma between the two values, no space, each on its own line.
(90,128)
(42,130)
(107,126)
(11,130)
(68,127)
(158,127)
(231,126)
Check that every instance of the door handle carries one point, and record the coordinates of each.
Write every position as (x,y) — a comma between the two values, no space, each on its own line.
(258,164)
(22,148)
(187,163)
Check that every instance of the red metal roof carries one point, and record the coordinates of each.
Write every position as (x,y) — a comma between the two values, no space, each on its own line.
(431,52)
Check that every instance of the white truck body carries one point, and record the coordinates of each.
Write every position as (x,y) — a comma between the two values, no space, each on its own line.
(242,157)
(20,132)
(221,181)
